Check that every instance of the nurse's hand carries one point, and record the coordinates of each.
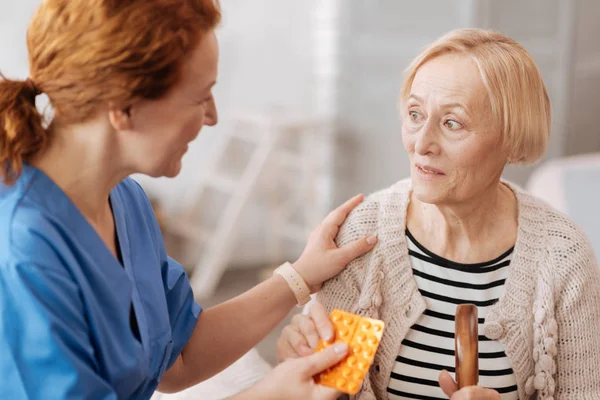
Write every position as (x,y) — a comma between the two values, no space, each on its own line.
(293,379)
(321,258)
(302,335)
(450,388)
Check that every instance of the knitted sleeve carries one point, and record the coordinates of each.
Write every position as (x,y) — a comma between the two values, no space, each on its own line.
(577,311)
(343,291)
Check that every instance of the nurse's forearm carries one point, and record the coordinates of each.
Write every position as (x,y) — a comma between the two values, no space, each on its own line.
(227,331)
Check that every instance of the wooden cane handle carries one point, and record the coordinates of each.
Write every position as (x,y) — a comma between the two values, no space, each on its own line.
(466,345)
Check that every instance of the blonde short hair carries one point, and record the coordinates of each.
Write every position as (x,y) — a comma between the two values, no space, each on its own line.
(518,96)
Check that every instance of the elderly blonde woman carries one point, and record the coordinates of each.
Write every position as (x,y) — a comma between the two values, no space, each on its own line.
(454,233)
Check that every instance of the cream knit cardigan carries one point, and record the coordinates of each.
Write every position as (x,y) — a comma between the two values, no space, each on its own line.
(548,317)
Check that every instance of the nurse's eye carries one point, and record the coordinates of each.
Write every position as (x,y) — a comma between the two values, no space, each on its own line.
(205,100)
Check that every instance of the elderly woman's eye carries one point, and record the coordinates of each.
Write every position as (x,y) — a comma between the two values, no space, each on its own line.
(451,124)
(413,115)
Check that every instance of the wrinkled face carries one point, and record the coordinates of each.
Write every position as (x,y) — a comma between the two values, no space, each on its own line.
(447,128)
(162,129)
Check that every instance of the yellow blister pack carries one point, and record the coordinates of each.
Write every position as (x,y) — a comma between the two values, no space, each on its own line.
(362,336)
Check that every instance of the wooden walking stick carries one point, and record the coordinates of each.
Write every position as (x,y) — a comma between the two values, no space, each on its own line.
(466,345)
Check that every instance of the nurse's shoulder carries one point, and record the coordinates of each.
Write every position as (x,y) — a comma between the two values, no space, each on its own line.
(30,231)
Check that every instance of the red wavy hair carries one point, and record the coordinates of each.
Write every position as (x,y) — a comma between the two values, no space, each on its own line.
(87,54)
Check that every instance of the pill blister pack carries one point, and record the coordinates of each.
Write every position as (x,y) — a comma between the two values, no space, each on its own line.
(363,336)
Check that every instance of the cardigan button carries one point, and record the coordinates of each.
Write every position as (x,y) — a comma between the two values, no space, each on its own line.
(364,303)
(493,330)
(409,311)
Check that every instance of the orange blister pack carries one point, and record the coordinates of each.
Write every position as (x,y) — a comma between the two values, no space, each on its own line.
(362,336)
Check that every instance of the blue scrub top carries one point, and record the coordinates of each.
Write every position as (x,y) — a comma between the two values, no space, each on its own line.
(65,300)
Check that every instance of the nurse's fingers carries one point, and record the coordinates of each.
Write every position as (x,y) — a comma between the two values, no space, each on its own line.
(326,393)
(336,218)
(326,358)
(355,249)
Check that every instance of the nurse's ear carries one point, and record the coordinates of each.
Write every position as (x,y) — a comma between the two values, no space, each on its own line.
(120,117)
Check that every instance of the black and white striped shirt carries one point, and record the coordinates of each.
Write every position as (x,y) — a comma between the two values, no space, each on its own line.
(429,344)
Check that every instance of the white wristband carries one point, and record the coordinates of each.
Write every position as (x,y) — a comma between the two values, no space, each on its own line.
(296,283)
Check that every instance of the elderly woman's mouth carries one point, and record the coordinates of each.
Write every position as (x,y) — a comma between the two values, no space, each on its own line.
(428,171)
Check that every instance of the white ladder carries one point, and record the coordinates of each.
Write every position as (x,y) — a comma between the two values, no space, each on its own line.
(262,134)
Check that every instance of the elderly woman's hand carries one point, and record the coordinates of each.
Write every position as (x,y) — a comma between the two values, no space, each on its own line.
(451,390)
(302,335)
(321,258)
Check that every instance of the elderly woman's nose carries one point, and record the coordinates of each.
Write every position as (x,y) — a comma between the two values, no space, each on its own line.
(426,139)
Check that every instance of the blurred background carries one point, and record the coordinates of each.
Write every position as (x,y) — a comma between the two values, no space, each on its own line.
(307,94)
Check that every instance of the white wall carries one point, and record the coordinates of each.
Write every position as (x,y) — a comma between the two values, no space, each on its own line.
(268,62)
(266,65)
(377,42)
(380,38)
(583,130)
(14,19)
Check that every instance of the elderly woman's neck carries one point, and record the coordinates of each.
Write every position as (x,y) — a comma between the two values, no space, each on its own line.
(83,160)
(471,231)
